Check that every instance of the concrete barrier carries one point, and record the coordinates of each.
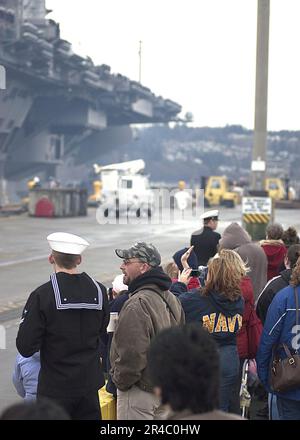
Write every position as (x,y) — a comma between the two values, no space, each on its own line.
(58,202)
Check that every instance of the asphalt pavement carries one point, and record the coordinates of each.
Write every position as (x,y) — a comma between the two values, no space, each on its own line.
(24,265)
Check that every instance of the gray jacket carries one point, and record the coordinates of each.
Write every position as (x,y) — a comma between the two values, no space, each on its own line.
(236,238)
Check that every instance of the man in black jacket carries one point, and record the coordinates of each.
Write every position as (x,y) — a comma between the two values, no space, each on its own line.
(205,240)
(277,283)
(64,319)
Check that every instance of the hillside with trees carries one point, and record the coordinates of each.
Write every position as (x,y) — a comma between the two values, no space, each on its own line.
(188,153)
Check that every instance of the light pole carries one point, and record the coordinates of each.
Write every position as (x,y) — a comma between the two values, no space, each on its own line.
(258,166)
(258,209)
(19,18)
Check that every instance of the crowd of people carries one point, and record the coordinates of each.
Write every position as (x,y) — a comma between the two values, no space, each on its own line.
(168,342)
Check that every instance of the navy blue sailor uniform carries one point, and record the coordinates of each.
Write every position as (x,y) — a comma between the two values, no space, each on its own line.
(65,319)
(205,242)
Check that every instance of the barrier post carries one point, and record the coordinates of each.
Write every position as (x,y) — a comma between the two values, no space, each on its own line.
(257,214)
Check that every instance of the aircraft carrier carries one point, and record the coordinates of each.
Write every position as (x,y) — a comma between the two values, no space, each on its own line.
(58,105)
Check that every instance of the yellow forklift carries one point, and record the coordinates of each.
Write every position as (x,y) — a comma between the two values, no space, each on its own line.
(218,191)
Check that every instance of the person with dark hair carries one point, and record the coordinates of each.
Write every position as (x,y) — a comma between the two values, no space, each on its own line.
(184,369)
(274,249)
(42,409)
(149,309)
(266,297)
(290,237)
(64,319)
(280,327)
(277,283)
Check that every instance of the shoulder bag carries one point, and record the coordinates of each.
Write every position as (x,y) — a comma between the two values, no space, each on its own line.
(285,373)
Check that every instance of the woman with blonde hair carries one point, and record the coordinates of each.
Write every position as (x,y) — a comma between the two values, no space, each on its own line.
(219,308)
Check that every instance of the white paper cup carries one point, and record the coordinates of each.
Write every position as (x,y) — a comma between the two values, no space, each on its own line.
(114,316)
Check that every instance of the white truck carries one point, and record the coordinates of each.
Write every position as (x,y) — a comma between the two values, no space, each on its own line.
(125,189)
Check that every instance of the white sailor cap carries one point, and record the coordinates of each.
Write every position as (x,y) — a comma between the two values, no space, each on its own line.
(213,214)
(67,243)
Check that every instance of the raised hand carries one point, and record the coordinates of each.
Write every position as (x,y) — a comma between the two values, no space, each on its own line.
(185,275)
(185,257)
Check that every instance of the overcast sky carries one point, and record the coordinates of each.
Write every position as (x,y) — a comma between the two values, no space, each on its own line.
(199,53)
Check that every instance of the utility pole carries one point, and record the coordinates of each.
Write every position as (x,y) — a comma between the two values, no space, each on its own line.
(258,207)
(258,166)
(19,17)
(140,61)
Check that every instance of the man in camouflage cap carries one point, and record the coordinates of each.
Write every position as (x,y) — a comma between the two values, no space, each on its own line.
(149,309)
(144,252)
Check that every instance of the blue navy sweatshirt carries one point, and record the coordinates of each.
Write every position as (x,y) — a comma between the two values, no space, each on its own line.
(220,316)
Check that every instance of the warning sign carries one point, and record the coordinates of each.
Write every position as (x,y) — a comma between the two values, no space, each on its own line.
(257,210)
(257,205)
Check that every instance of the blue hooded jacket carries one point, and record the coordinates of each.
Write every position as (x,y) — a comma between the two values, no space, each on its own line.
(278,328)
